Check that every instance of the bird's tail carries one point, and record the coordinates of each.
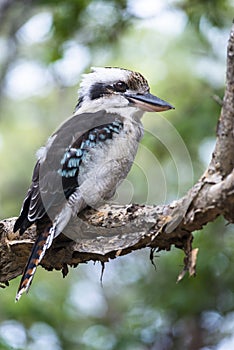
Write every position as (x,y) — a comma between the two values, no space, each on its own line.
(43,242)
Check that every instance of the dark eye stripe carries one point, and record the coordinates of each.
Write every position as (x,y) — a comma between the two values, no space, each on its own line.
(98,90)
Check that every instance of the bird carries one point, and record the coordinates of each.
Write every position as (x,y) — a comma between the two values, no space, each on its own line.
(84,161)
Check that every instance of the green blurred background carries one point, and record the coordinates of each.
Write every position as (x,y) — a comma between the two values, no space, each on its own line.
(180,47)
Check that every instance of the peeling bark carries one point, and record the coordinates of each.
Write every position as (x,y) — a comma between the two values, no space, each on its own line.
(118,230)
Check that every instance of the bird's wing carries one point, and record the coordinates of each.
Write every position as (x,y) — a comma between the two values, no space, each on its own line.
(54,178)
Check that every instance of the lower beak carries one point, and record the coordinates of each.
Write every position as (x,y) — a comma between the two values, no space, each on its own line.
(148,102)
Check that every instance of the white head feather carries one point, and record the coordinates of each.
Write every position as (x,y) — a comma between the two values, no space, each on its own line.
(109,76)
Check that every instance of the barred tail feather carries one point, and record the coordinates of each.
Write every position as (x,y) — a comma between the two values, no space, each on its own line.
(43,242)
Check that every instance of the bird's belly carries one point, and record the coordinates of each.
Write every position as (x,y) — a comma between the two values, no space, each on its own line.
(105,166)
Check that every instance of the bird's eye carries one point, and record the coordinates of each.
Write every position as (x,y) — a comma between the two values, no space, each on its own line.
(120,86)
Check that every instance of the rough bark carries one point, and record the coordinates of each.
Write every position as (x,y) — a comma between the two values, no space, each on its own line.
(112,231)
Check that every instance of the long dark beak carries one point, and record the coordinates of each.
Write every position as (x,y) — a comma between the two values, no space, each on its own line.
(148,102)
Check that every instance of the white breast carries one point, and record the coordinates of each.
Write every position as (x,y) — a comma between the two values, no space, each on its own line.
(105,166)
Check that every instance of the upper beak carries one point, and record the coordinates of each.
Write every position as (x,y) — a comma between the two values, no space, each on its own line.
(148,102)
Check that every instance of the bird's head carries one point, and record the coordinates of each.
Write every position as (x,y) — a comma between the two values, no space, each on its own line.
(114,88)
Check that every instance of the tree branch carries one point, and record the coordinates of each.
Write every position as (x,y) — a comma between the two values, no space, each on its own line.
(222,161)
(117,230)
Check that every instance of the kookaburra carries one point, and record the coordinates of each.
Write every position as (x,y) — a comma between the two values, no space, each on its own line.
(88,156)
